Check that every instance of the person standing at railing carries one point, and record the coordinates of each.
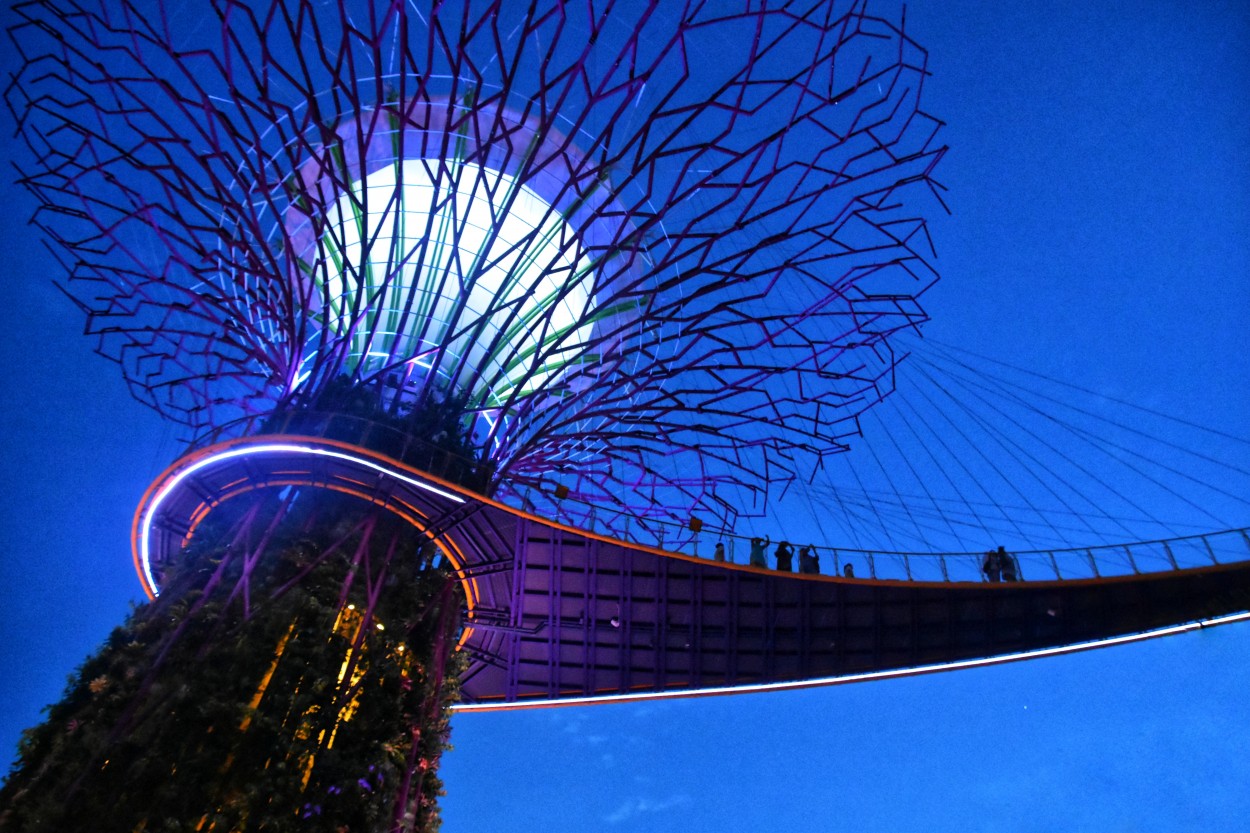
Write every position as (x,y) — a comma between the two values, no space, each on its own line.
(758,547)
(785,557)
(1000,565)
(1011,568)
(718,554)
(809,562)
(992,565)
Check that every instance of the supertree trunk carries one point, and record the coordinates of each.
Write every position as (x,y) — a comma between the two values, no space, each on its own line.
(295,671)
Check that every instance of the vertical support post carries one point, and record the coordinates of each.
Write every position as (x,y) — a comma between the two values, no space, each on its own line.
(590,614)
(520,561)
(1132,562)
(1167,550)
(555,592)
(661,624)
(1093,565)
(1210,551)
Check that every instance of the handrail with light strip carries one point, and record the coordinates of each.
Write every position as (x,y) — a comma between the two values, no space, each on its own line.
(150,509)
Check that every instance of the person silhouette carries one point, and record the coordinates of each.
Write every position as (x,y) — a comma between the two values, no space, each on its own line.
(992,565)
(758,547)
(785,557)
(1011,571)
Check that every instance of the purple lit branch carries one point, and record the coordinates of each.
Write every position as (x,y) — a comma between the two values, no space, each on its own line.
(658,251)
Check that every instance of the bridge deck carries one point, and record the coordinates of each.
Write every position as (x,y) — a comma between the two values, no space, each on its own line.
(559,614)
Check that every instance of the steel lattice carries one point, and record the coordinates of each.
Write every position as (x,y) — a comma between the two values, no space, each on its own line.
(658,253)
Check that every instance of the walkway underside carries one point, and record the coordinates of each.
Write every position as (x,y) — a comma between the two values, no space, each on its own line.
(594,618)
(559,614)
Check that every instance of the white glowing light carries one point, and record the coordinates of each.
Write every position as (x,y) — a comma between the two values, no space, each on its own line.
(467,261)
(145,528)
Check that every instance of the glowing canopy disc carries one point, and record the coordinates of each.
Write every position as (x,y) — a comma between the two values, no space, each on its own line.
(458,266)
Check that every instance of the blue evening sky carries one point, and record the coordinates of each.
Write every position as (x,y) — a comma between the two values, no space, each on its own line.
(1100,182)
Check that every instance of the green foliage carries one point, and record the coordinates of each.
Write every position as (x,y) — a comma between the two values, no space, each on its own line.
(434,434)
(259,693)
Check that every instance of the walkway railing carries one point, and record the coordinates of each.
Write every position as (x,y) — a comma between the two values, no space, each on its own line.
(1136,558)
(1161,555)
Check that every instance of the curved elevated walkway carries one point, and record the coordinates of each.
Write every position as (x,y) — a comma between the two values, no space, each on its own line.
(559,615)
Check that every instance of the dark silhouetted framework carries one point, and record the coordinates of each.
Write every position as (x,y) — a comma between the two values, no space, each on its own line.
(622,265)
(655,252)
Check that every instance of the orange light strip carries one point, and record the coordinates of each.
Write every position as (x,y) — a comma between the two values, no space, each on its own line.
(409,474)
(176,474)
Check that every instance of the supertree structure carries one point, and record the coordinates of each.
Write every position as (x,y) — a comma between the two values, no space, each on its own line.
(612,263)
(656,254)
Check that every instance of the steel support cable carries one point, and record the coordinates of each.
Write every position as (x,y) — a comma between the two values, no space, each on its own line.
(972,522)
(1021,530)
(1099,444)
(959,460)
(1154,439)
(880,521)
(816,515)
(920,481)
(836,494)
(1000,395)
(1126,403)
(1019,454)
(895,510)
(983,504)
(890,481)
(1059,453)
(928,448)
(1108,515)
(868,517)
(865,515)
(934,520)
(969,522)
(990,462)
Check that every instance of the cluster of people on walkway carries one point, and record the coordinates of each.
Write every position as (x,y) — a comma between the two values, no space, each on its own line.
(809,560)
(997,565)
(1000,565)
